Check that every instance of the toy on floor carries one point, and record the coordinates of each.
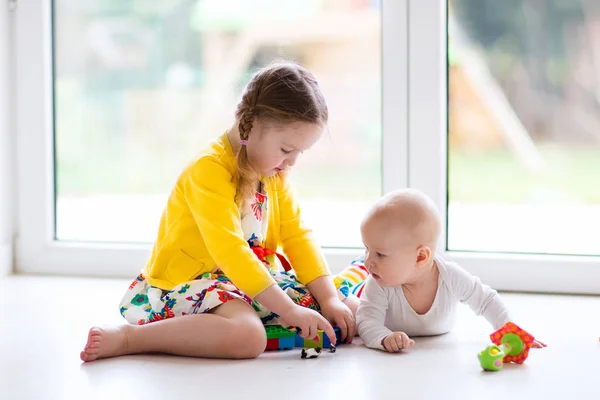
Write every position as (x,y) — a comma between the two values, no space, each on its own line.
(280,338)
(310,353)
(511,344)
(314,352)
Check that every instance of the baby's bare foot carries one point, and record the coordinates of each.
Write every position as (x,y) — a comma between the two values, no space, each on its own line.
(105,342)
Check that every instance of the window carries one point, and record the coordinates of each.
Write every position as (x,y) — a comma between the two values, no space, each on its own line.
(139,90)
(115,97)
(483,107)
(489,109)
(501,135)
(524,137)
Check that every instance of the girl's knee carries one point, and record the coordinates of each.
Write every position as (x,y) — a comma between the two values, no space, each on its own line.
(248,338)
(245,336)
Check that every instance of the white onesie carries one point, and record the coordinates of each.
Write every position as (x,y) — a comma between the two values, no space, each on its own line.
(384,310)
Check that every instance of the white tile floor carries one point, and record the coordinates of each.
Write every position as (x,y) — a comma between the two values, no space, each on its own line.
(44,322)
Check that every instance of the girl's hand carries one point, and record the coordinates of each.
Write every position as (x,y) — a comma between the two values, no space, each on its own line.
(341,316)
(397,341)
(309,322)
(538,345)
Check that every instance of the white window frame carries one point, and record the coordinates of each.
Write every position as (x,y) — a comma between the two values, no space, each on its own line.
(7,192)
(38,252)
(427,72)
(414,103)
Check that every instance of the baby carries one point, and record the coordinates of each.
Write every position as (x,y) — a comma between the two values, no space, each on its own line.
(411,291)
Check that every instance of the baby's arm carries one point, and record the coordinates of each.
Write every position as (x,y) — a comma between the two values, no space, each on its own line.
(482,299)
(370,317)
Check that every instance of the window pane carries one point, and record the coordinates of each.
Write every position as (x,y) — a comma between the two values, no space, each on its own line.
(524,126)
(141,86)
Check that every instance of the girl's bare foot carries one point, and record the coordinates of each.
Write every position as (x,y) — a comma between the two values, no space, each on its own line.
(105,342)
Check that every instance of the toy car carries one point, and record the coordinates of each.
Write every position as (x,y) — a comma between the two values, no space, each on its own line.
(312,352)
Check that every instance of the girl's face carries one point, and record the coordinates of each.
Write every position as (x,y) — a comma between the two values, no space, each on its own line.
(274,148)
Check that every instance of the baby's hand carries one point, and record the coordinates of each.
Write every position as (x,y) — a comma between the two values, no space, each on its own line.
(538,345)
(397,341)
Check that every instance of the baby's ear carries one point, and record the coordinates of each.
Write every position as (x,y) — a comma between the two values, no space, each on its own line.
(423,255)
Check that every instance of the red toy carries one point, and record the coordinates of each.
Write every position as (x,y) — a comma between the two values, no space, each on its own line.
(510,328)
(511,344)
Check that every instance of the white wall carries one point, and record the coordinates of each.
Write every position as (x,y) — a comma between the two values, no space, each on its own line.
(7,170)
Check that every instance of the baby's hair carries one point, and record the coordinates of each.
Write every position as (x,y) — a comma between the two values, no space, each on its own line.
(282,92)
(411,210)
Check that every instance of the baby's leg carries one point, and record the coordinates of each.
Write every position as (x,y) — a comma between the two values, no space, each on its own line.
(354,276)
(352,302)
(232,330)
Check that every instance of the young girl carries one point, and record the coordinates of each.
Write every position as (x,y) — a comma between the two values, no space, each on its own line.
(214,277)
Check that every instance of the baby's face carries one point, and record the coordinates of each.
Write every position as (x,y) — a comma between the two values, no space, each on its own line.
(390,254)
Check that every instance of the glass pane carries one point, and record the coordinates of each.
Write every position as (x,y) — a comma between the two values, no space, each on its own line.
(524,126)
(142,85)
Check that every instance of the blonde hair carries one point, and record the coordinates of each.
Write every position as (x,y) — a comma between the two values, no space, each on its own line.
(412,211)
(282,92)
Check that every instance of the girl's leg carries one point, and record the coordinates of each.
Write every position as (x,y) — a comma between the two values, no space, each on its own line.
(232,330)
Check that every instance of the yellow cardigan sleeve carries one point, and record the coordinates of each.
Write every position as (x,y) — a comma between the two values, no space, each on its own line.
(210,194)
(297,241)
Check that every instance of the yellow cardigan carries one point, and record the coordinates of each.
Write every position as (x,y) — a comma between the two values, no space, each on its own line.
(200,229)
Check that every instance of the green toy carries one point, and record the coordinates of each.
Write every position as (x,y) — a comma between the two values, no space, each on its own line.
(511,344)
(491,358)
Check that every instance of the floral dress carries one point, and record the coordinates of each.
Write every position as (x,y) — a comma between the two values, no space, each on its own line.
(144,303)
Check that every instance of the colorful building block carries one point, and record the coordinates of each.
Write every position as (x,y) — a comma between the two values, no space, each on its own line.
(323,342)
(280,338)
